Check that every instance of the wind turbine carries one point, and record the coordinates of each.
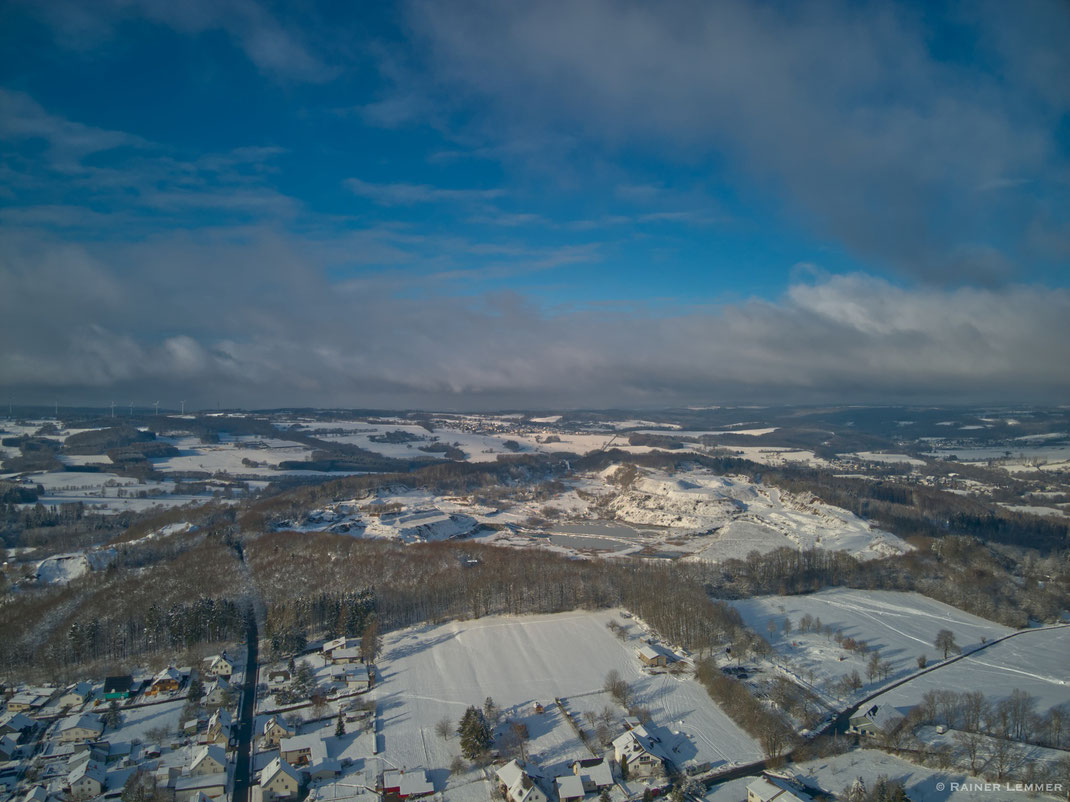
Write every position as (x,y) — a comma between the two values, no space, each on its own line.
(157,407)
(183,403)
(113,409)
(131,409)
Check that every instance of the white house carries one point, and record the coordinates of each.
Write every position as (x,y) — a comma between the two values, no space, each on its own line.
(274,731)
(875,720)
(637,752)
(87,780)
(221,665)
(518,785)
(209,760)
(85,727)
(76,695)
(766,789)
(279,780)
(218,691)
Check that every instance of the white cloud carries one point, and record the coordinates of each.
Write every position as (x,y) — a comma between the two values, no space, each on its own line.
(198,318)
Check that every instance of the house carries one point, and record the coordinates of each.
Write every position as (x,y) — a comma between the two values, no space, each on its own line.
(651,656)
(85,727)
(119,687)
(209,759)
(359,677)
(8,748)
(87,780)
(220,727)
(221,666)
(218,692)
(76,695)
(303,750)
(16,724)
(595,773)
(765,789)
(336,643)
(876,720)
(350,654)
(168,680)
(279,780)
(406,784)
(340,650)
(569,788)
(25,702)
(192,786)
(275,730)
(637,752)
(518,785)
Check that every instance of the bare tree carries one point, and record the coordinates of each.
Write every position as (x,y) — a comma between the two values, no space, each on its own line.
(945,642)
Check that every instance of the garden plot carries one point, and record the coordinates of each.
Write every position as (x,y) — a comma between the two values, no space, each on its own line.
(432,673)
(901,625)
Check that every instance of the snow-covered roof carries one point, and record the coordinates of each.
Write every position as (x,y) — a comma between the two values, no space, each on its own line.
(16,722)
(210,752)
(86,721)
(169,673)
(87,769)
(648,653)
(277,766)
(769,788)
(409,783)
(191,782)
(596,771)
(568,786)
(883,717)
(311,742)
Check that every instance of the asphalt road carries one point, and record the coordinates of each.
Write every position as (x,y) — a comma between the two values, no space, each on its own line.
(244,724)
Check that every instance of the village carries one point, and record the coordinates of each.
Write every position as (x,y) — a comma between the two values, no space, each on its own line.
(363,719)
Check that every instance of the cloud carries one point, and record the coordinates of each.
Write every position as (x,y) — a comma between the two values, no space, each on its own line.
(276,47)
(409,194)
(256,323)
(22,118)
(847,111)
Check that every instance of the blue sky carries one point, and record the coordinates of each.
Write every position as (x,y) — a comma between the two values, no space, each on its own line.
(473,204)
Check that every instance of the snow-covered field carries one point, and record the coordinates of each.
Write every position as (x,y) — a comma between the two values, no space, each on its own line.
(432,673)
(228,455)
(1035,662)
(921,784)
(901,625)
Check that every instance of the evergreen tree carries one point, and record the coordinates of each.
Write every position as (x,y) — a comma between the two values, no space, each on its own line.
(369,641)
(340,727)
(474,733)
(113,718)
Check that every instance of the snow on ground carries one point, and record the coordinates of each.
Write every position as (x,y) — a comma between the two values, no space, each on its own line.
(901,459)
(139,721)
(228,455)
(1035,662)
(901,625)
(431,673)
(769,455)
(1032,510)
(921,784)
(59,569)
(109,492)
